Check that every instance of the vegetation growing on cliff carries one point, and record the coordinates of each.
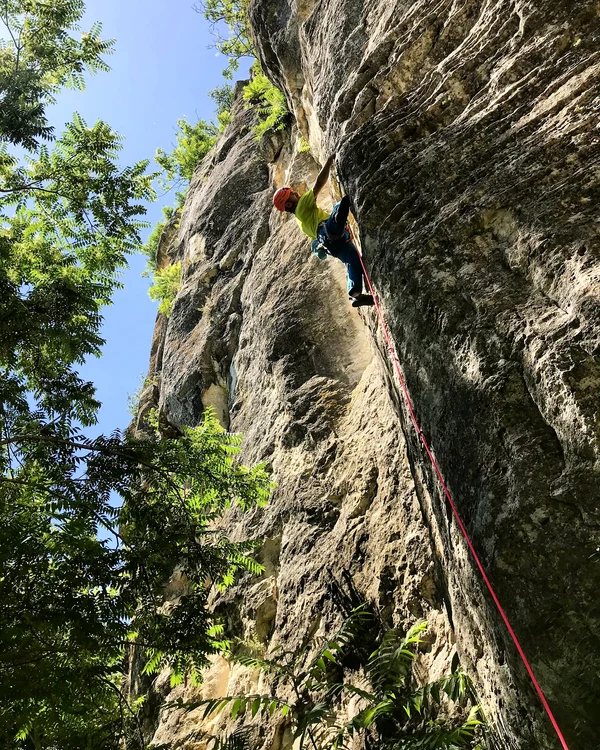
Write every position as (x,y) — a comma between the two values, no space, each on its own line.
(310,692)
(165,285)
(269,103)
(193,143)
(222,96)
(260,94)
(91,528)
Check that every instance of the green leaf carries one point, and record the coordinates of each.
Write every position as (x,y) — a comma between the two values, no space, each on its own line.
(238,703)
(359,691)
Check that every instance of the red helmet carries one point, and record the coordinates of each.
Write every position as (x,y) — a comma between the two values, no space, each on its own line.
(280,198)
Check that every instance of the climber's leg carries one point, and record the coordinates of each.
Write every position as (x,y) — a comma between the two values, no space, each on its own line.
(355,277)
(340,245)
(348,254)
(354,271)
(363,300)
(336,223)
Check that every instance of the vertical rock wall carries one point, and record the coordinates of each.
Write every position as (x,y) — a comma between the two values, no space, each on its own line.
(467,135)
(263,332)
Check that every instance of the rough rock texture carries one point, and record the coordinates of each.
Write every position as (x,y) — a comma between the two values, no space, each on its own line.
(467,135)
(264,334)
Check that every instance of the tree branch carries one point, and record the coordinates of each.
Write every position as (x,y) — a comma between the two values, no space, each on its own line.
(82,446)
(123,700)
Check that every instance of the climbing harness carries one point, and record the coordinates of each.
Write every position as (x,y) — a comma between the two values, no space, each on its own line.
(438,473)
(319,248)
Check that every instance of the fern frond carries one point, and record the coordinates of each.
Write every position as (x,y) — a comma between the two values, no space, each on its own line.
(391,663)
(239,705)
(436,737)
(269,666)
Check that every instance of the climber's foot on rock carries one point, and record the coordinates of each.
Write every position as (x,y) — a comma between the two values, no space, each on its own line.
(362,300)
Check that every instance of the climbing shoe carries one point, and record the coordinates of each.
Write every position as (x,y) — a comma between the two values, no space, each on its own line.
(363,300)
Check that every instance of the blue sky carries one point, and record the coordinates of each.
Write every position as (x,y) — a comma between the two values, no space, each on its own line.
(162,69)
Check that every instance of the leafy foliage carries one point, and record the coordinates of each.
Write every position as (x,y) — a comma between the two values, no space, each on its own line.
(231,15)
(133,399)
(75,598)
(395,712)
(68,218)
(178,166)
(39,56)
(222,96)
(268,102)
(68,221)
(404,717)
(151,246)
(165,286)
(260,94)
(304,146)
(193,143)
(91,529)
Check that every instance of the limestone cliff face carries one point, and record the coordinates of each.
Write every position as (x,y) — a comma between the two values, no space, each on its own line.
(467,135)
(264,334)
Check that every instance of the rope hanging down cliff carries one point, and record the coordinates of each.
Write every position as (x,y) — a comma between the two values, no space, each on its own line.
(457,516)
(312,220)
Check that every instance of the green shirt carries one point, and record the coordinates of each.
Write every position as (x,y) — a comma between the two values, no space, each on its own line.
(309,215)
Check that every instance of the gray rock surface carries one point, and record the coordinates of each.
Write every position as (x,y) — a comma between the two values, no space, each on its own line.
(264,333)
(467,135)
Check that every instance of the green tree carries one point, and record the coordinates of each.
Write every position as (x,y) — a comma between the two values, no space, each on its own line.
(90,528)
(193,143)
(222,96)
(68,220)
(38,57)
(74,598)
(260,94)
(230,15)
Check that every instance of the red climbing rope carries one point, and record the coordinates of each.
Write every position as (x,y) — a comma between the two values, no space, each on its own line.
(436,468)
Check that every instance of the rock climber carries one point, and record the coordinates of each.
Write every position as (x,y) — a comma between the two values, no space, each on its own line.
(329,232)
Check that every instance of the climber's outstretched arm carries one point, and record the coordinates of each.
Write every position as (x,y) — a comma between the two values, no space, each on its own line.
(323,176)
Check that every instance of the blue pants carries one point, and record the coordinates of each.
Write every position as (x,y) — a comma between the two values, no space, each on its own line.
(336,238)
